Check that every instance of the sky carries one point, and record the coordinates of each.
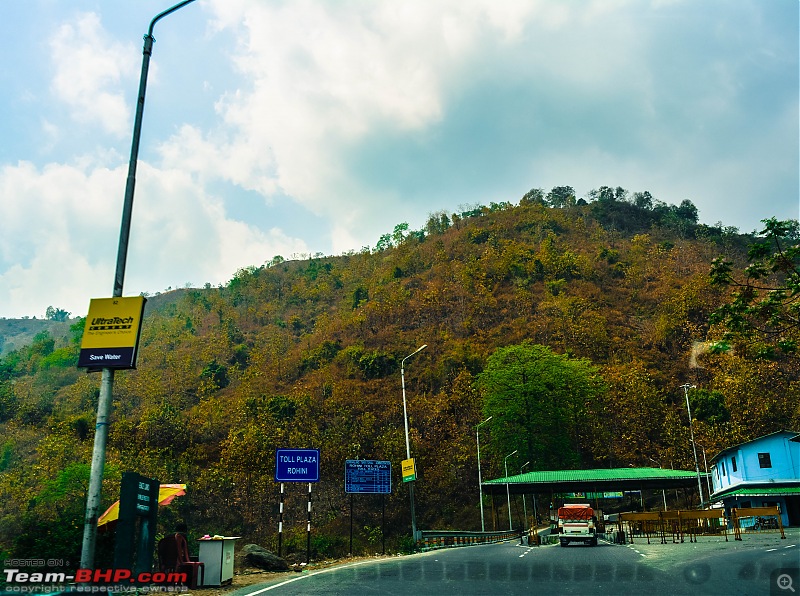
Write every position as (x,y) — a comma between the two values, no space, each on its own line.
(298,127)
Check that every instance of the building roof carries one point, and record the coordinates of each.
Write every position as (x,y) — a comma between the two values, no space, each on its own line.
(793,435)
(785,489)
(598,480)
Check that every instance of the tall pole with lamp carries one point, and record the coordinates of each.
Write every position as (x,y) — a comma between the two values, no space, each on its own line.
(686,387)
(708,476)
(408,444)
(524,507)
(663,492)
(508,492)
(480,485)
(107,378)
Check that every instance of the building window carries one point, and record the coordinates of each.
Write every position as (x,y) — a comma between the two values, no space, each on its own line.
(764,460)
(733,464)
(723,467)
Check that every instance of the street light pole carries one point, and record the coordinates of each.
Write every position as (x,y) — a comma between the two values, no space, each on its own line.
(107,378)
(508,493)
(708,476)
(524,507)
(686,387)
(480,485)
(408,444)
(663,492)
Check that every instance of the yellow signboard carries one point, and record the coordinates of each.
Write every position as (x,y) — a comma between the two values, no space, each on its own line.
(111,333)
(409,470)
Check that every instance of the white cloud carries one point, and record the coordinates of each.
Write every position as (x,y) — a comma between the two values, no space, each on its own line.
(182,234)
(324,77)
(89,66)
(366,114)
(59,237)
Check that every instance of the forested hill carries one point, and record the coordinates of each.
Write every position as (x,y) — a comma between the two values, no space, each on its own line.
(609,302)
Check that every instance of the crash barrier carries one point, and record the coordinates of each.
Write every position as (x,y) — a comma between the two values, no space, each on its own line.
(756,519)
(432,539)
(675,524)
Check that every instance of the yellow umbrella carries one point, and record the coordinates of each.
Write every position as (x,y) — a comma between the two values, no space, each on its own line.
(166,492)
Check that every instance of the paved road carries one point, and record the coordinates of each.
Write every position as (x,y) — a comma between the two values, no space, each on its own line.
(707,567)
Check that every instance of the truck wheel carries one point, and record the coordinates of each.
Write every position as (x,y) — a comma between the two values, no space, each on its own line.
(593,542)
(563,542)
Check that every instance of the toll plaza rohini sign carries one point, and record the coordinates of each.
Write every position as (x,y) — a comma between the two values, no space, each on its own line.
(297,465)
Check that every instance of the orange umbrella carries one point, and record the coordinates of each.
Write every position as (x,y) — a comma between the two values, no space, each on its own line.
(166,492)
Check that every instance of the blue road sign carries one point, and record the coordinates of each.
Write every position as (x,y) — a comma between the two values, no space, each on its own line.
(367,476)
(297,465)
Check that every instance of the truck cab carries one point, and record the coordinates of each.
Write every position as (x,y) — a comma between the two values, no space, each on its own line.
(576,523)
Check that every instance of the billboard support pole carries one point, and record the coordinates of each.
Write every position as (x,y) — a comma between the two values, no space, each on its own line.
(308,531)
(383,524)
(107,382)
(280,522)
(351,524)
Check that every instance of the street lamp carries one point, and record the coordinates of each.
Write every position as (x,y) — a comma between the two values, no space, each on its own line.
(408,445)
(708,476)
(524,507)
(480,486)
(663,492)
(107,378)
(686,387)
(508,493)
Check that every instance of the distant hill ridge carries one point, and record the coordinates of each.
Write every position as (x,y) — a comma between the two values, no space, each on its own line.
(19,333)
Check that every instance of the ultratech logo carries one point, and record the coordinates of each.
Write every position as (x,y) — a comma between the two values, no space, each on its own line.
(101,324)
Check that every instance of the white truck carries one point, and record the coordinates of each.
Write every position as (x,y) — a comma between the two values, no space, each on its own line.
(576,523)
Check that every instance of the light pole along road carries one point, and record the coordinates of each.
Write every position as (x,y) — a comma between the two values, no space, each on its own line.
(107,379)
(508,493)
(686,387)
(408,445)
(480,486)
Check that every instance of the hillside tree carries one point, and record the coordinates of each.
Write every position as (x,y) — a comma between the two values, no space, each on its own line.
(539,401)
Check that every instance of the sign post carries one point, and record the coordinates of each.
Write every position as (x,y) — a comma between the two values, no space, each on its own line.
(136,528)
(368,476)
(296,465)
(409,470)
(365,476)
(111,334)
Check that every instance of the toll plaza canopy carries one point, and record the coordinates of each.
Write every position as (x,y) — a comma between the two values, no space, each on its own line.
(596,481)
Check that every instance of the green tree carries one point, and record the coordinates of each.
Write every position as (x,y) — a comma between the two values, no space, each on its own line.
(56,314)
(534,196)
(561,196)
(539,402)
(709,406)
(764,304)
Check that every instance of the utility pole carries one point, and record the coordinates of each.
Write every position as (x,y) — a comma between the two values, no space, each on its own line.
(107,378)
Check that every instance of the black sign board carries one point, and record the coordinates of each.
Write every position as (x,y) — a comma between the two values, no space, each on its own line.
(136,528)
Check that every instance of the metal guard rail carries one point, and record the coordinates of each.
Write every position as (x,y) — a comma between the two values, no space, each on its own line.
(432,539)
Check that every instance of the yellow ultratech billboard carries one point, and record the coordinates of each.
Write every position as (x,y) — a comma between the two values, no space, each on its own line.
(111,333)
(409,469)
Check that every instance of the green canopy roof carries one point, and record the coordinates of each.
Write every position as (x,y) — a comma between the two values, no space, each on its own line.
(759,491)
(599,480)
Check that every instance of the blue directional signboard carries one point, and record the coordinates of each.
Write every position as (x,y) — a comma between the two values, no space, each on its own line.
(367,476)
(297,465)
